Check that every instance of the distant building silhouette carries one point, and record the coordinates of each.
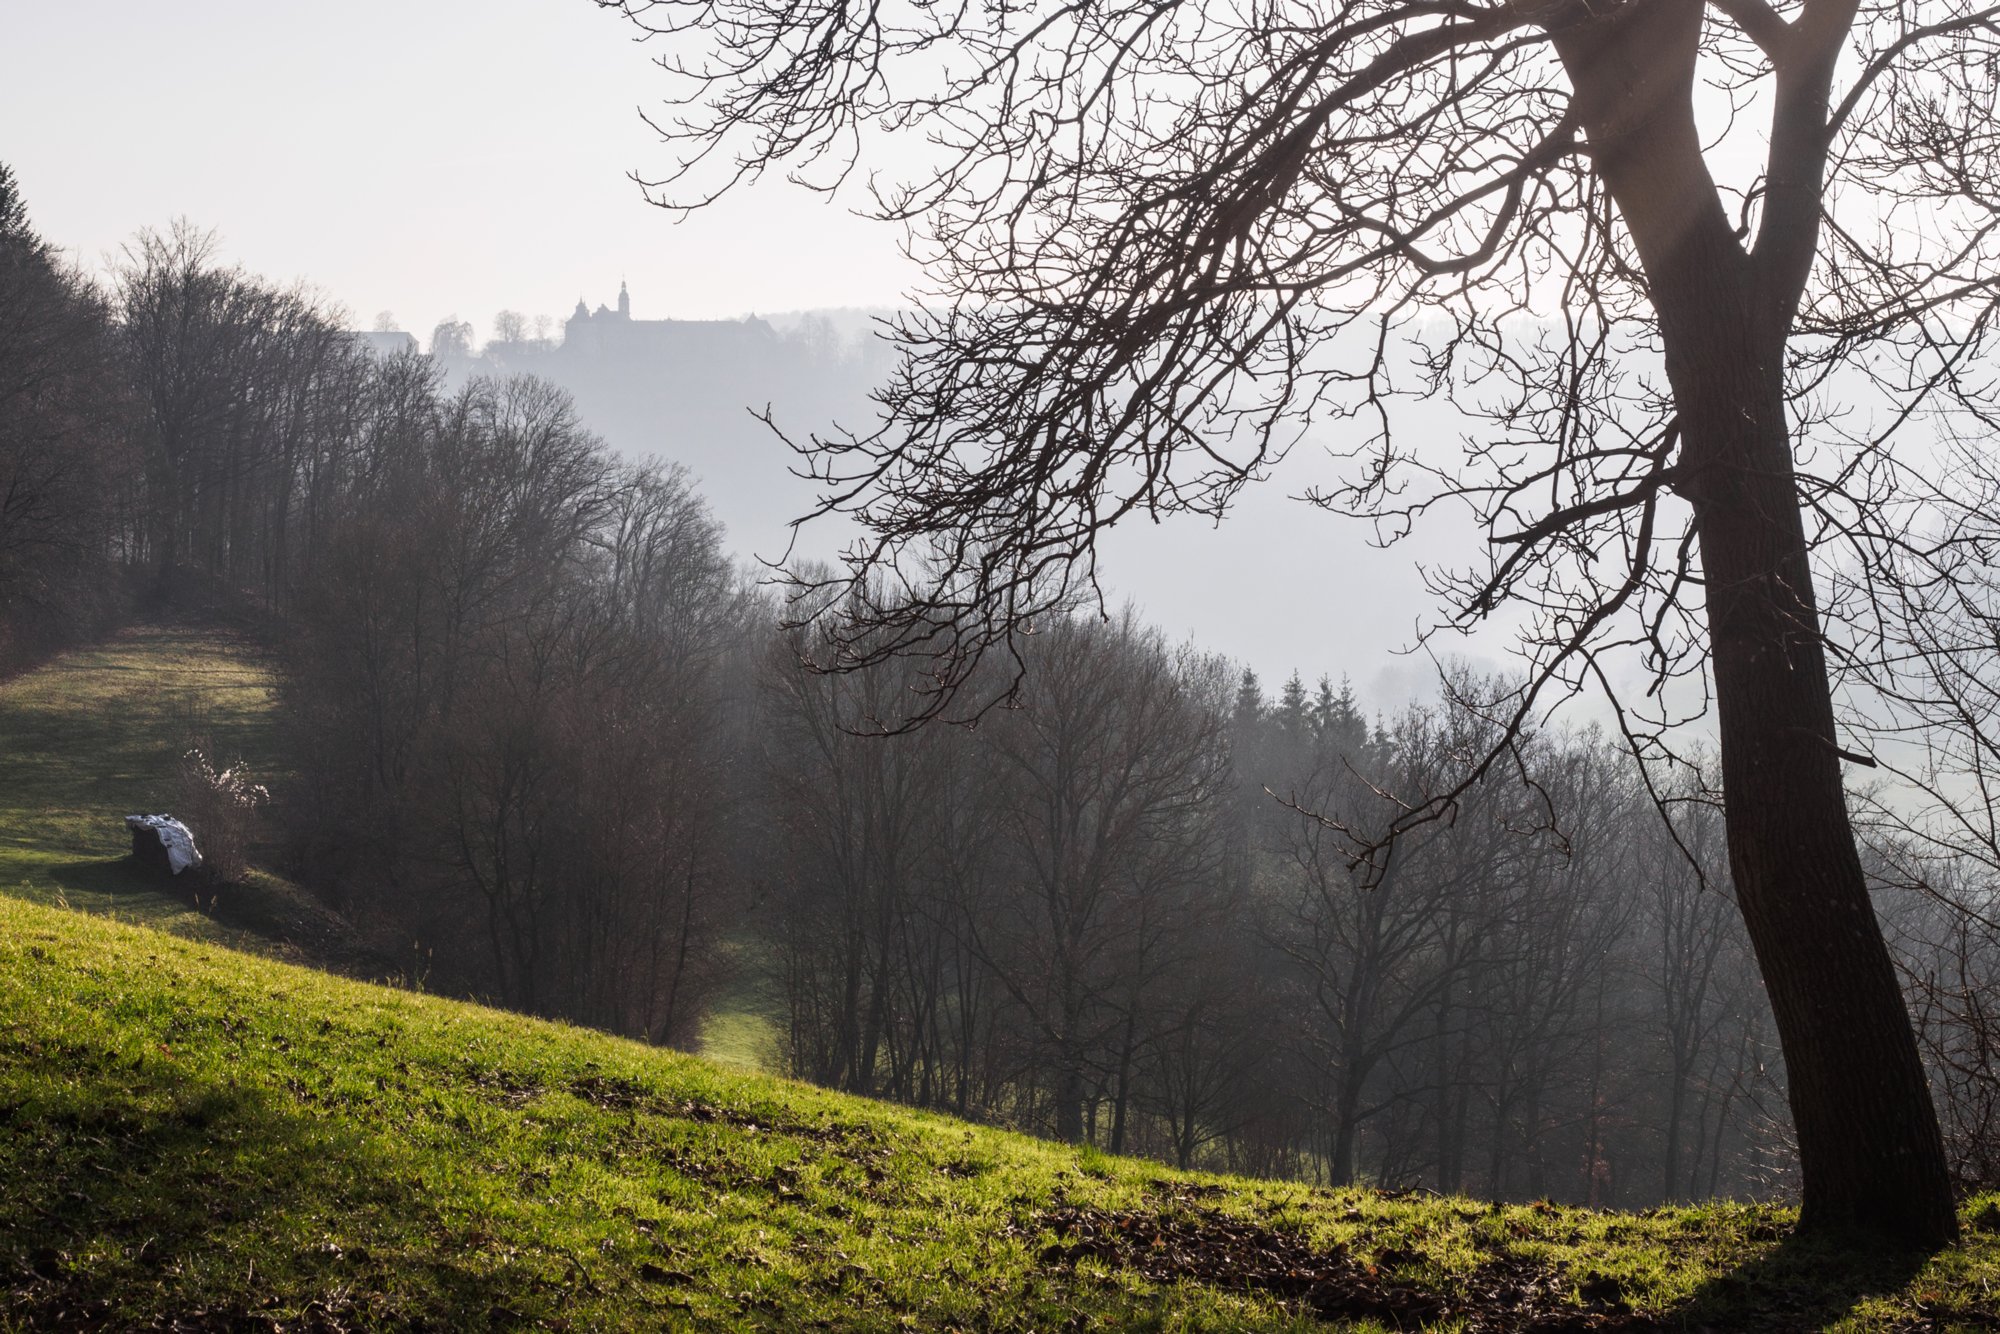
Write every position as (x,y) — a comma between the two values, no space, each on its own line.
(689,391)
(615,335)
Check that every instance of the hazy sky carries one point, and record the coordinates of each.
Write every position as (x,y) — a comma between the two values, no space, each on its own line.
(461,156)
(424,158)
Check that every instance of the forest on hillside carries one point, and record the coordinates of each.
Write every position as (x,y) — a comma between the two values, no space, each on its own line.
(545,735)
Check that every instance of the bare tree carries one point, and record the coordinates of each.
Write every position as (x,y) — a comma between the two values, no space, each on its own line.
(63,464)
(510,700)
(1374,959)
(239,384)
(1933,825)
(850,811)
(1163,236)
(1208,1062)
(1114,770)
(451,338)
(1952,959)
(510,326)
(188,324)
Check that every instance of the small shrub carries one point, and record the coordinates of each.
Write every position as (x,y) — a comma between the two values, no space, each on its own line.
(220,807)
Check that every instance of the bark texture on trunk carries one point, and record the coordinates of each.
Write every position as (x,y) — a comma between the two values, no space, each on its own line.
(1870,1154)
(1869,1149)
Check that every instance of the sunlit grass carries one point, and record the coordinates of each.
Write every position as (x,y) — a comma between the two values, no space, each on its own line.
(192,1129)
(94,736)
(744,1025)
(741,1037)
(193,1136)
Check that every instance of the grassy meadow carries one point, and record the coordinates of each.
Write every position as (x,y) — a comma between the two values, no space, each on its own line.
(197,1132)
(95,736)
(201,1138)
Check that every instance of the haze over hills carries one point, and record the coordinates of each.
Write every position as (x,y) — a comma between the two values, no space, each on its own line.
(690,391)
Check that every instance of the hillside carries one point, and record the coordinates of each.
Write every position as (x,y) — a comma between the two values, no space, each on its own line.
(199,1135)
(94,736)
(200,1139)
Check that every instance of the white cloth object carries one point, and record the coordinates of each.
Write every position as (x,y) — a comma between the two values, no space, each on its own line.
(174,837)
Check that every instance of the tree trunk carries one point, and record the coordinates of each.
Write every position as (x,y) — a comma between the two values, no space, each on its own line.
(1340,1169)
(1670,1166)
(1869,1149)
(1870,1154)
(1069,1097)
(1124,1078)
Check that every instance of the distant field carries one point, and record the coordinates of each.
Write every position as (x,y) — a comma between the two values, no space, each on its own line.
(94,736)
(743,1028)
(195,1137)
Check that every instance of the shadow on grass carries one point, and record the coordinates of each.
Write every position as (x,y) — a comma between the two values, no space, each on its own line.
(119,877)
(273,911)
(1802,1283)
(198,1205)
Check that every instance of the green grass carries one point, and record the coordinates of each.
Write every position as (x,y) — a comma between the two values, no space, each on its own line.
(744,1026)
(95,736)
(195,1133)
(196,1137)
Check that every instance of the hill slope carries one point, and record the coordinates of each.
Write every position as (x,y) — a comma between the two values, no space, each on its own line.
(94,736)
(194,1137)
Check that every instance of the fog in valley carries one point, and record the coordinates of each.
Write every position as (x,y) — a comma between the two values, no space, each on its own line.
(1184,838)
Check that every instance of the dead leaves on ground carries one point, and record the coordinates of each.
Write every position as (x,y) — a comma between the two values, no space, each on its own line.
(1197,1244)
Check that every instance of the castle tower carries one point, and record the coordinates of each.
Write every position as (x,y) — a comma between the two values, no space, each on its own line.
(624,301)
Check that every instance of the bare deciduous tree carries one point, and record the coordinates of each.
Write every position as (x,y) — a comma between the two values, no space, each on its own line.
(1163,236)
(451,338)
(510,326)
(63,458)
(1115,769)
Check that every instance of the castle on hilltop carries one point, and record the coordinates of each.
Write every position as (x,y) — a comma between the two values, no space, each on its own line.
(614,333)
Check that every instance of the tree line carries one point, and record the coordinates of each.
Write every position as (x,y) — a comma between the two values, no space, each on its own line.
(511,699)
(1126,910)
(557,751)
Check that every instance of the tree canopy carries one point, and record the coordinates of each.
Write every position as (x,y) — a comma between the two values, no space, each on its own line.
(1164,239)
